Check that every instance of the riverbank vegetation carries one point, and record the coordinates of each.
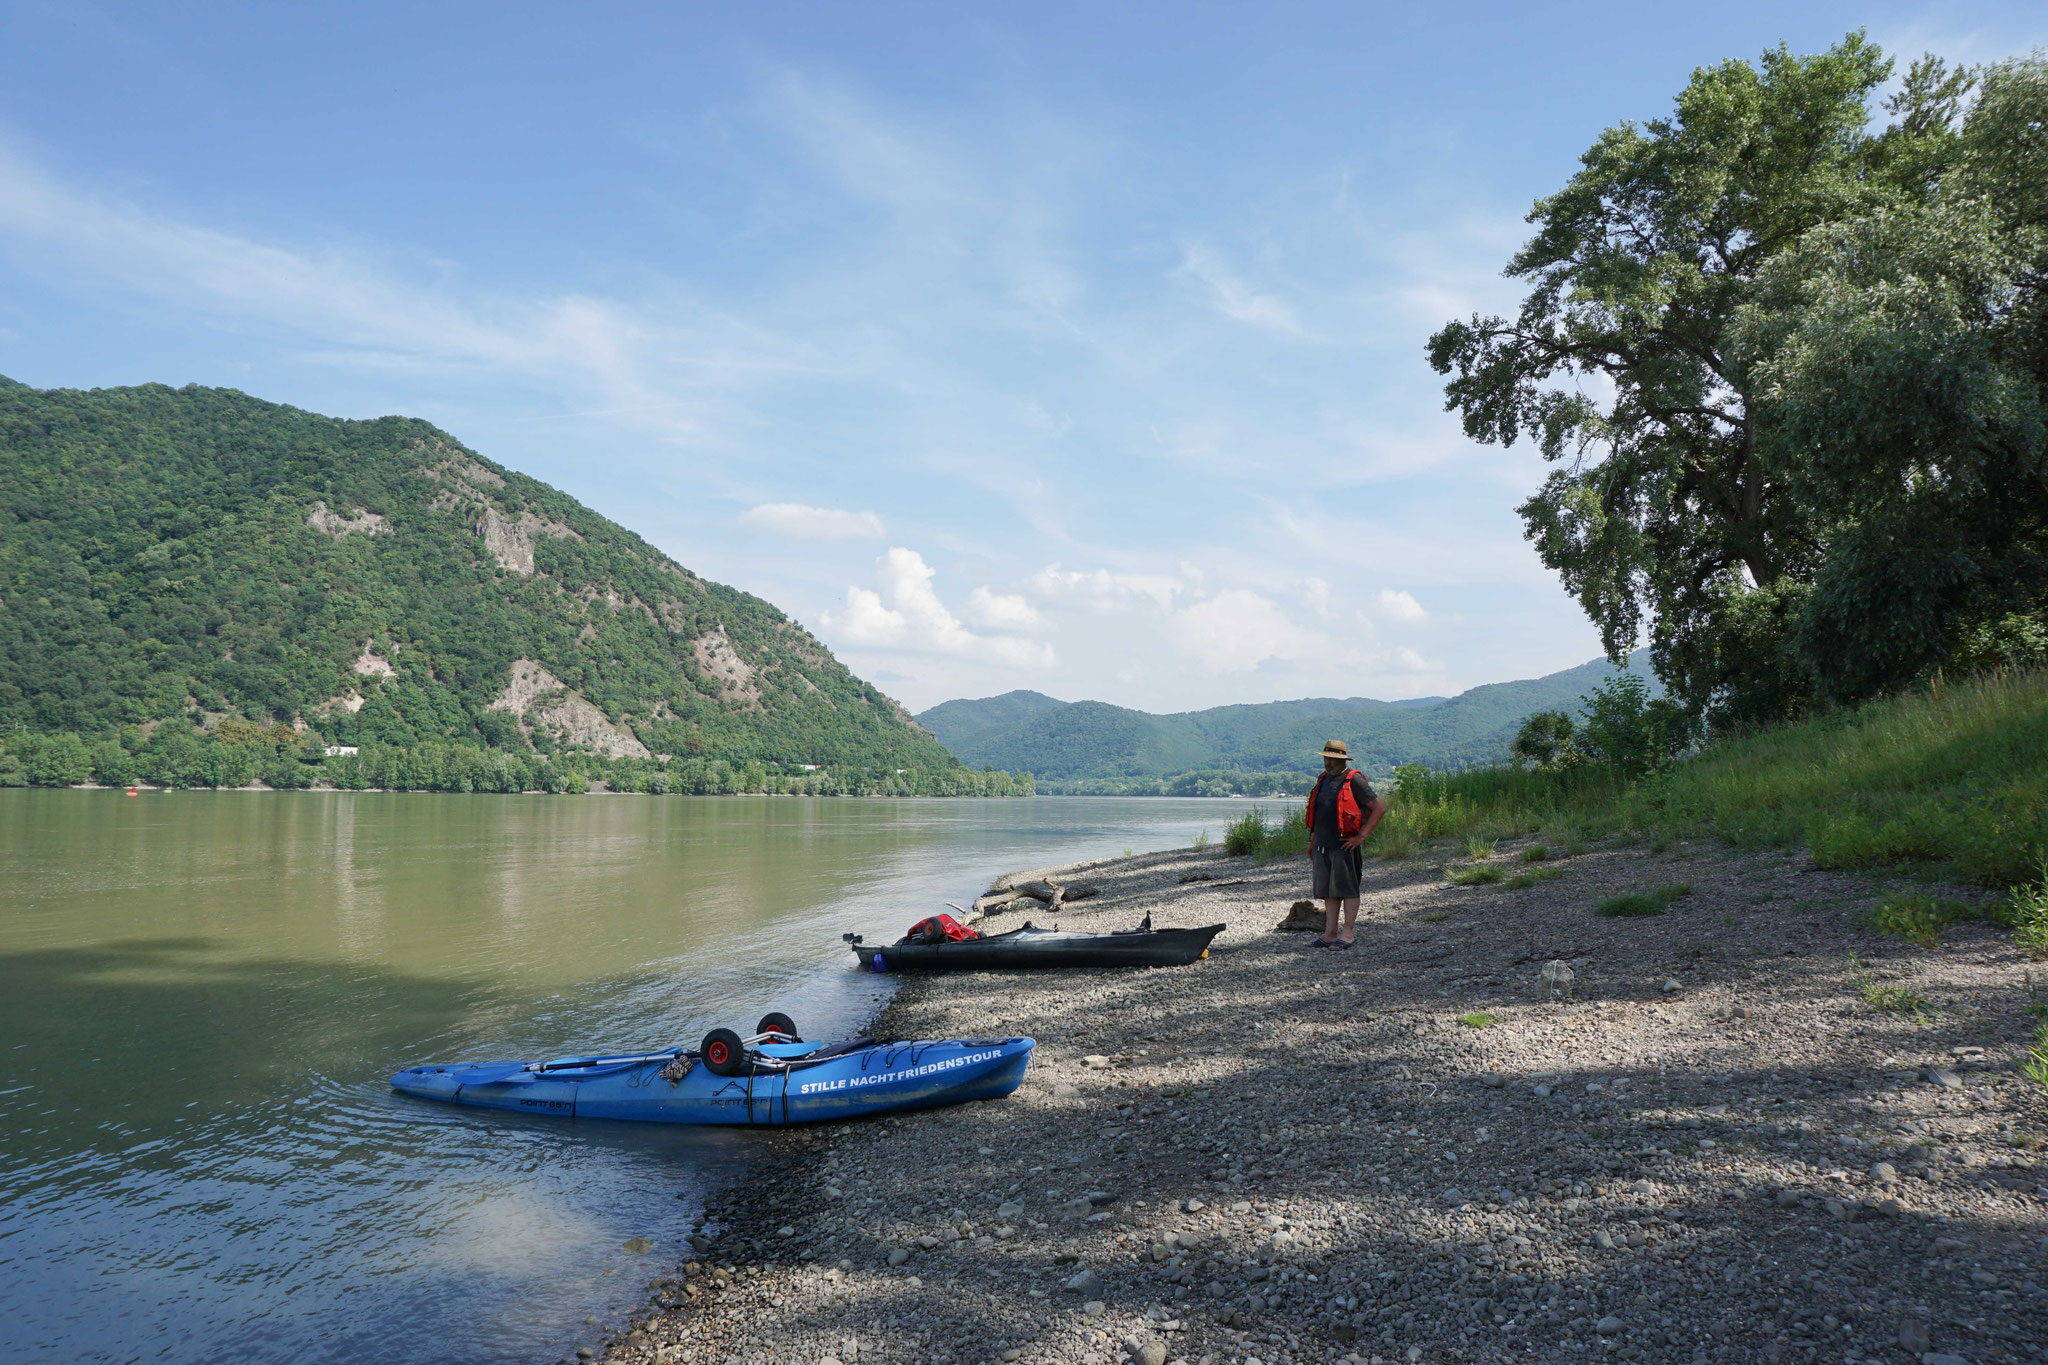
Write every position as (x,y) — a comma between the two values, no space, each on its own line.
(275,757)
(1947,780)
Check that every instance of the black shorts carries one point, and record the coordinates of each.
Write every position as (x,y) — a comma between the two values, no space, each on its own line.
(1337,872)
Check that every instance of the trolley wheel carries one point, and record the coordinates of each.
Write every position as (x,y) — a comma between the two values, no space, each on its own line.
(775,1021)
(723,1052)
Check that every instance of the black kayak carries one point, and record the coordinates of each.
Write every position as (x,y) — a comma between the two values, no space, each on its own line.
(1032,946)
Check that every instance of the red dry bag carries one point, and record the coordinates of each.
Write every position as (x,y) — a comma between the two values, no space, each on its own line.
(938,929)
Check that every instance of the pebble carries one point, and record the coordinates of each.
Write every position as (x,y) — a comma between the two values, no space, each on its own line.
(1094,1308)
(1087,1282)
(1943,1077)
(1913,1336)
(897,1255)
(1151,1353)
(1608,1325)
(1542,1092)
(1192,1206)
(1671,986)
(1884,1173)
(1493,1080)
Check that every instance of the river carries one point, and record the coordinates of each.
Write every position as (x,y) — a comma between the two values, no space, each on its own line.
(202,995)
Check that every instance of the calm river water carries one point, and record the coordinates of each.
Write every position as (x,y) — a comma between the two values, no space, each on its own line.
(202,995)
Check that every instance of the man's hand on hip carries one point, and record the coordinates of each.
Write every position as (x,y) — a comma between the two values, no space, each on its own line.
(1351,844)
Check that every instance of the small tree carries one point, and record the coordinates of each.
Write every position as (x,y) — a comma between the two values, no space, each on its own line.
(1630,730)
(1545,740)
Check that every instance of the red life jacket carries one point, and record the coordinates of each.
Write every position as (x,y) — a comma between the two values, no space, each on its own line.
(938,929)
(1350,819)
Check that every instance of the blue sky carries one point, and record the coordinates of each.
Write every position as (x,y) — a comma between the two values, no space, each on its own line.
(1073,347)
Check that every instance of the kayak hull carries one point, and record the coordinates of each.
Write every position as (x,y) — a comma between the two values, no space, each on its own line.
(1032,947)
(872,1079)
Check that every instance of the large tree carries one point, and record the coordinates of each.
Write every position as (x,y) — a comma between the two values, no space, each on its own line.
(1664,511)
(1898,370)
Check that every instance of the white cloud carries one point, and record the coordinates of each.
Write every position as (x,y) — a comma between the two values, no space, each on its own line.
(1237,300)
(1238,630)
(1399,608)
(907,615)
(799,521)
(1106,590)
(1000,611)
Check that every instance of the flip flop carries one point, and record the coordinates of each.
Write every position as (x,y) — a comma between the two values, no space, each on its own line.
(1319,943)
(1343,943)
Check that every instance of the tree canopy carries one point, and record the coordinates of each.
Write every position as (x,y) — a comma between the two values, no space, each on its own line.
(1789,369)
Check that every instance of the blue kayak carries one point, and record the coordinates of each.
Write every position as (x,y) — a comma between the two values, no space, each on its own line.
(778,1082)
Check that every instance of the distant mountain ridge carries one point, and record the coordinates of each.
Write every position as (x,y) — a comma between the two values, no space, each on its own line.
(1093,745)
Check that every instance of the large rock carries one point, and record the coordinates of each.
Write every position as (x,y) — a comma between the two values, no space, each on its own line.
(1557,979)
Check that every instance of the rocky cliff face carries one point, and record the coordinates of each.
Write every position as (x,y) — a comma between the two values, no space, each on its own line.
(164,551)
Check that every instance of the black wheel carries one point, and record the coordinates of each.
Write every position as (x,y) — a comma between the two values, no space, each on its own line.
(723,1052)
(775,1021)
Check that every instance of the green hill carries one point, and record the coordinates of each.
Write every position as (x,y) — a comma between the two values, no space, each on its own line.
(194,555)
(1092,746)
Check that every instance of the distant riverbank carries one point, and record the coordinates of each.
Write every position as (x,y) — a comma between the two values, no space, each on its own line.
(241,756)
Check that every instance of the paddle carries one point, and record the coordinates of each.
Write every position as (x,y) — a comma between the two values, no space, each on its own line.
(518,1071)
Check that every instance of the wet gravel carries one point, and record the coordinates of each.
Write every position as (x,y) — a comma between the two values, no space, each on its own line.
(1745,1129)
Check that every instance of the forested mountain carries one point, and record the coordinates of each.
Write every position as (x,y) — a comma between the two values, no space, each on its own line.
(189,555)
(1090,745)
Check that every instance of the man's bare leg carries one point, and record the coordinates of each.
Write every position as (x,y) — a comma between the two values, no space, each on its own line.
(1330,919)
(1350,918)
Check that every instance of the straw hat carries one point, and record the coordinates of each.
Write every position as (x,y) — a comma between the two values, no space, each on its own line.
(1335,749)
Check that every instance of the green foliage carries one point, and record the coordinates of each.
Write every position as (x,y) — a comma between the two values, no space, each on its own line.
(1477,1019)
(1246,834)
(1478,849)
(1522,881)
(2034,1065)
(168,555)
(1952,778)
(1545,739)
(1821,469)
(1894,999)
(1628,729)
(1475,876)
(1642,902)
(1535,853)
(2028,916)
(1918,918)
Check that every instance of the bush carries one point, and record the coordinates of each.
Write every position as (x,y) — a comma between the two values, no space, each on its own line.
(2028,914)
(1246,834)
(1918,918)
(1476,876)
(1545,739)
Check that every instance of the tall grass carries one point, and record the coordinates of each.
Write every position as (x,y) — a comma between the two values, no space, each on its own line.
(1952,778)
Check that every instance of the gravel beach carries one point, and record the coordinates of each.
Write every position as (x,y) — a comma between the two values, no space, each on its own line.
(1747,1129)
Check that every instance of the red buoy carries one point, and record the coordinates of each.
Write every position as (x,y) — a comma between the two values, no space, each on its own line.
(131,791)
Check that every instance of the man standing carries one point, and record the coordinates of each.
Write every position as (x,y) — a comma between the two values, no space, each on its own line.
(1342,811)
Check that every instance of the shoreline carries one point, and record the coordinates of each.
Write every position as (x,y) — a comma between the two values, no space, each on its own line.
(1730,1144)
